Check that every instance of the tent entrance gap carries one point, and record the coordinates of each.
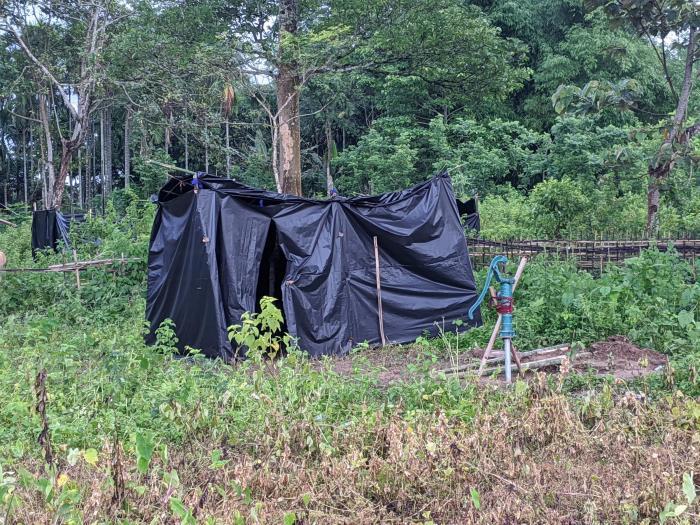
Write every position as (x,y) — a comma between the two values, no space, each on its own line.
(273,266)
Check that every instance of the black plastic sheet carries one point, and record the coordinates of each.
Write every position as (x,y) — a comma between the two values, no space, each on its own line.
(469,212)
(49,229)
(214,253)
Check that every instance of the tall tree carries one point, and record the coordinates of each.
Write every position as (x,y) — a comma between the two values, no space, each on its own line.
(445,46)
(77,91)
(669,26)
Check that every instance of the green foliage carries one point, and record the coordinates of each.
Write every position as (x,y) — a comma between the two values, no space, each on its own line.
(384,159)
(507,216)
(258,332)
(556,204)
(151,176)
(590,153)
(591,213)
(144,451)
(483,156)
(642,299)
(596,96)
(674,510)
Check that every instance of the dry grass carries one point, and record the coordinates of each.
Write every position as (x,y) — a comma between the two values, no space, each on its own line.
(539,460)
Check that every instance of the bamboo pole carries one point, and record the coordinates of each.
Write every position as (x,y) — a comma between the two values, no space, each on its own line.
(379,292)
(77,270)
(72,267)
(170,167)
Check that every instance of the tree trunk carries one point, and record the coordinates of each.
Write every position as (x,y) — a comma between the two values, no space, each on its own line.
(288,86)
(187,152)
(275,154)
(662,164)
(24,168)
(106,122)
(90,166)
(66,158)
(206,147)
(228,150)
(31,158)
(168,129)
(127,147)
(81,185)
(48,171)
(330,184)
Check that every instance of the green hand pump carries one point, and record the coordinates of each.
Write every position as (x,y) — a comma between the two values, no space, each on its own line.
(504,306)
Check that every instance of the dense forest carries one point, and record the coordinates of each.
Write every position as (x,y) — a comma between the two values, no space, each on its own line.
(565,117)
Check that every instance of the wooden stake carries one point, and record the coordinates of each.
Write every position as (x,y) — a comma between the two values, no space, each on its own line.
(77,271)
(516,357)
(497,327)
(379,292)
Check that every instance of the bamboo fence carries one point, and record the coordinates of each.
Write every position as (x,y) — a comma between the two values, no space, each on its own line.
(592,255)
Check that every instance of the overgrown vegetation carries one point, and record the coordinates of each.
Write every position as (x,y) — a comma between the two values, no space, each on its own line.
(138,434)
(568,119)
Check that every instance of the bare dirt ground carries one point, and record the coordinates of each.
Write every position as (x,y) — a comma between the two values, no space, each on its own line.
(616,356)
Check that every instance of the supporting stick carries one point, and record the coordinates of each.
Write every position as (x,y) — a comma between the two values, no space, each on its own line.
(77,271)
(170,167)
(497,328)
(514,353)
(8,223)
(379,292)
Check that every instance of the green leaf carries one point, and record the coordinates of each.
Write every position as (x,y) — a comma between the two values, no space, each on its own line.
(671,510)
(689,488)
(144,451)
(290,518)
(91,456)
(178,507)
(678,510)
(73,456)
(476,499)
(685,318)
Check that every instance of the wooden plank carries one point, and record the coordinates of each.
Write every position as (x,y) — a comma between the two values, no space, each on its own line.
(564,348)
(534,365)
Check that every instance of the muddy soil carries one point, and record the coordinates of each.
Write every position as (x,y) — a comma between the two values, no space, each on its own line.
(616,356)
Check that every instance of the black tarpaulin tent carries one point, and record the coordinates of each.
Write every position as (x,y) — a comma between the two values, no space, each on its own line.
(216,251)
